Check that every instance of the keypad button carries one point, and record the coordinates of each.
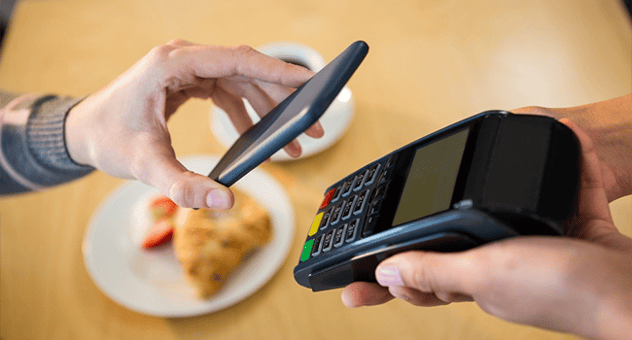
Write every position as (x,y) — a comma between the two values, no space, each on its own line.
(379,192)
(307,249)
(372,174)
(347,187)
(328,241)
(359,180)
(328,196)
(391,161)
(361,202)
(318,243)
(352,228)
(346,213)
(369,225)
(315,224)
(325,219)
(339,237)
(384,177)
(338,193)
(335,216)
(374,208)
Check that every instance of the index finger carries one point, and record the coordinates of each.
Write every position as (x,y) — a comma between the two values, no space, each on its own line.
(360,294)
(206,61)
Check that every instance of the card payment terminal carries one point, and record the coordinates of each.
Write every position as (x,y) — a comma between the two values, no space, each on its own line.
(489,177)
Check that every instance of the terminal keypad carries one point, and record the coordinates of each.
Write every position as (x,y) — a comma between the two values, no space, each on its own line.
(350,209)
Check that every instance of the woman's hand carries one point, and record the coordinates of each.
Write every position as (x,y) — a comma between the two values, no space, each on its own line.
(580,284)
(122,129)
(609,126)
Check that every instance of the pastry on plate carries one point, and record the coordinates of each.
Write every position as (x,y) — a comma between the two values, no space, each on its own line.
(210,244)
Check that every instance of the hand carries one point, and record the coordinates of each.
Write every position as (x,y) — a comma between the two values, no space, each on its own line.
(579,284)
(122,129)
(609,126)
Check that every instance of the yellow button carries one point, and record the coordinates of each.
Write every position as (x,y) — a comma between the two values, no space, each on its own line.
(314,229)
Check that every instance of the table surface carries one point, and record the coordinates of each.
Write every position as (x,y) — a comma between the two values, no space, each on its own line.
(431,63)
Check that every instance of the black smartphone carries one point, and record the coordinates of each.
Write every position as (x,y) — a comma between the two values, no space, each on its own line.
(290,118)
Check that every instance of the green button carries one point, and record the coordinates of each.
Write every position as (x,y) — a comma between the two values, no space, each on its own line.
(307,250)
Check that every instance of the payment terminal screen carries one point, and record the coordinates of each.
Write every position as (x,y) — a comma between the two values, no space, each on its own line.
(431,179)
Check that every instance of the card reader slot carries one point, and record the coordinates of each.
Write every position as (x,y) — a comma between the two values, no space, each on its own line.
(362,267)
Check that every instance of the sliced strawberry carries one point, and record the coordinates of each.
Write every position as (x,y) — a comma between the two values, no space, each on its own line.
(162,206)
(159,233)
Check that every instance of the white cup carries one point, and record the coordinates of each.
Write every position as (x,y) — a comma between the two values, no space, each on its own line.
(335,120)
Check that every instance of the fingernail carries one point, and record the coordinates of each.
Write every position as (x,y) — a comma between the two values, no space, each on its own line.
(294,149)
(389,276)
(347,300)
(321,130)
(218,199)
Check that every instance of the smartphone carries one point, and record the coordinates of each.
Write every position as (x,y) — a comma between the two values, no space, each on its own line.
(290,118)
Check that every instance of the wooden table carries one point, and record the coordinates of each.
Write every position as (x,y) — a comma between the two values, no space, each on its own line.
(431,63)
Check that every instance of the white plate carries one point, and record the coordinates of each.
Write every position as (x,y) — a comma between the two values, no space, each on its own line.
(151,281)
(335,122)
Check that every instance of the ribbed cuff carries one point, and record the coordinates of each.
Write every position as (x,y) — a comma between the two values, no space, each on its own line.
(46,136)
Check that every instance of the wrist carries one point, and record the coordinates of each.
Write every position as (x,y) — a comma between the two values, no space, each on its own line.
(74,133)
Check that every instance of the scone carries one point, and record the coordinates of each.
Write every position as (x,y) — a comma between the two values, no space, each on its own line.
(211,244)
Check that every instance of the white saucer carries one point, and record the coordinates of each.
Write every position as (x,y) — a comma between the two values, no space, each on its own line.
(151,281)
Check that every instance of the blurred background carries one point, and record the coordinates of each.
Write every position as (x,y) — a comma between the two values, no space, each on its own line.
(6,8)
(431,63)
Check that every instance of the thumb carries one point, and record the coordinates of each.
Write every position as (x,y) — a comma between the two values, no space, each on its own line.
(429,272)
(186,188)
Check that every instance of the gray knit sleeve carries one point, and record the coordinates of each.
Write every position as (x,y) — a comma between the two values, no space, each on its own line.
(33,153)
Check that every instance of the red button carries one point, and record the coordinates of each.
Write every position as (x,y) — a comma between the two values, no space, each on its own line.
(327,198)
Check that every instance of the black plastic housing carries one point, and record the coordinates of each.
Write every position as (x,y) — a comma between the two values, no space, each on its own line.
(519,175)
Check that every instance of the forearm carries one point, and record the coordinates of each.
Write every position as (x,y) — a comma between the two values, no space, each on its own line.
(609,125)
(33,153)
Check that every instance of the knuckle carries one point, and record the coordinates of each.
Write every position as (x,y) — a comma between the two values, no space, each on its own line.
(180,193)
(176,52)
(419,278)
(486,266)
(159,56)
(177,41)
(241,54)
(535,110)
(242,49)
(161,51)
